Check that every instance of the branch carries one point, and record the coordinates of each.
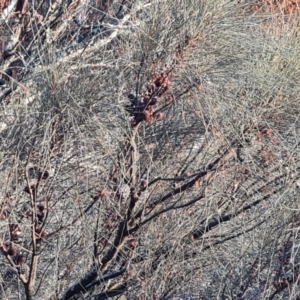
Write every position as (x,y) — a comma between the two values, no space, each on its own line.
(80,286)
(167,179)
(233,236)
(88,280)
(222,219)
(3,248)
(106,277)
(211,167)
(173,207)
(120,239)
(112,293)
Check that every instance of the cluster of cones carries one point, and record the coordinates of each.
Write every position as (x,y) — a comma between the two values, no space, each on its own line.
(143,109)
(19,266)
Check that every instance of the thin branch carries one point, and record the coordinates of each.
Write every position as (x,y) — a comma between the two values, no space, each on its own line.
(112,293)
(106,277)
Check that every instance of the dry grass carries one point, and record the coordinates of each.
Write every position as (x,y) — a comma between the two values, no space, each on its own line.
(188,188)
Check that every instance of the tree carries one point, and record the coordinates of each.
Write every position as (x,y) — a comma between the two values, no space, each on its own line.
(148,151)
